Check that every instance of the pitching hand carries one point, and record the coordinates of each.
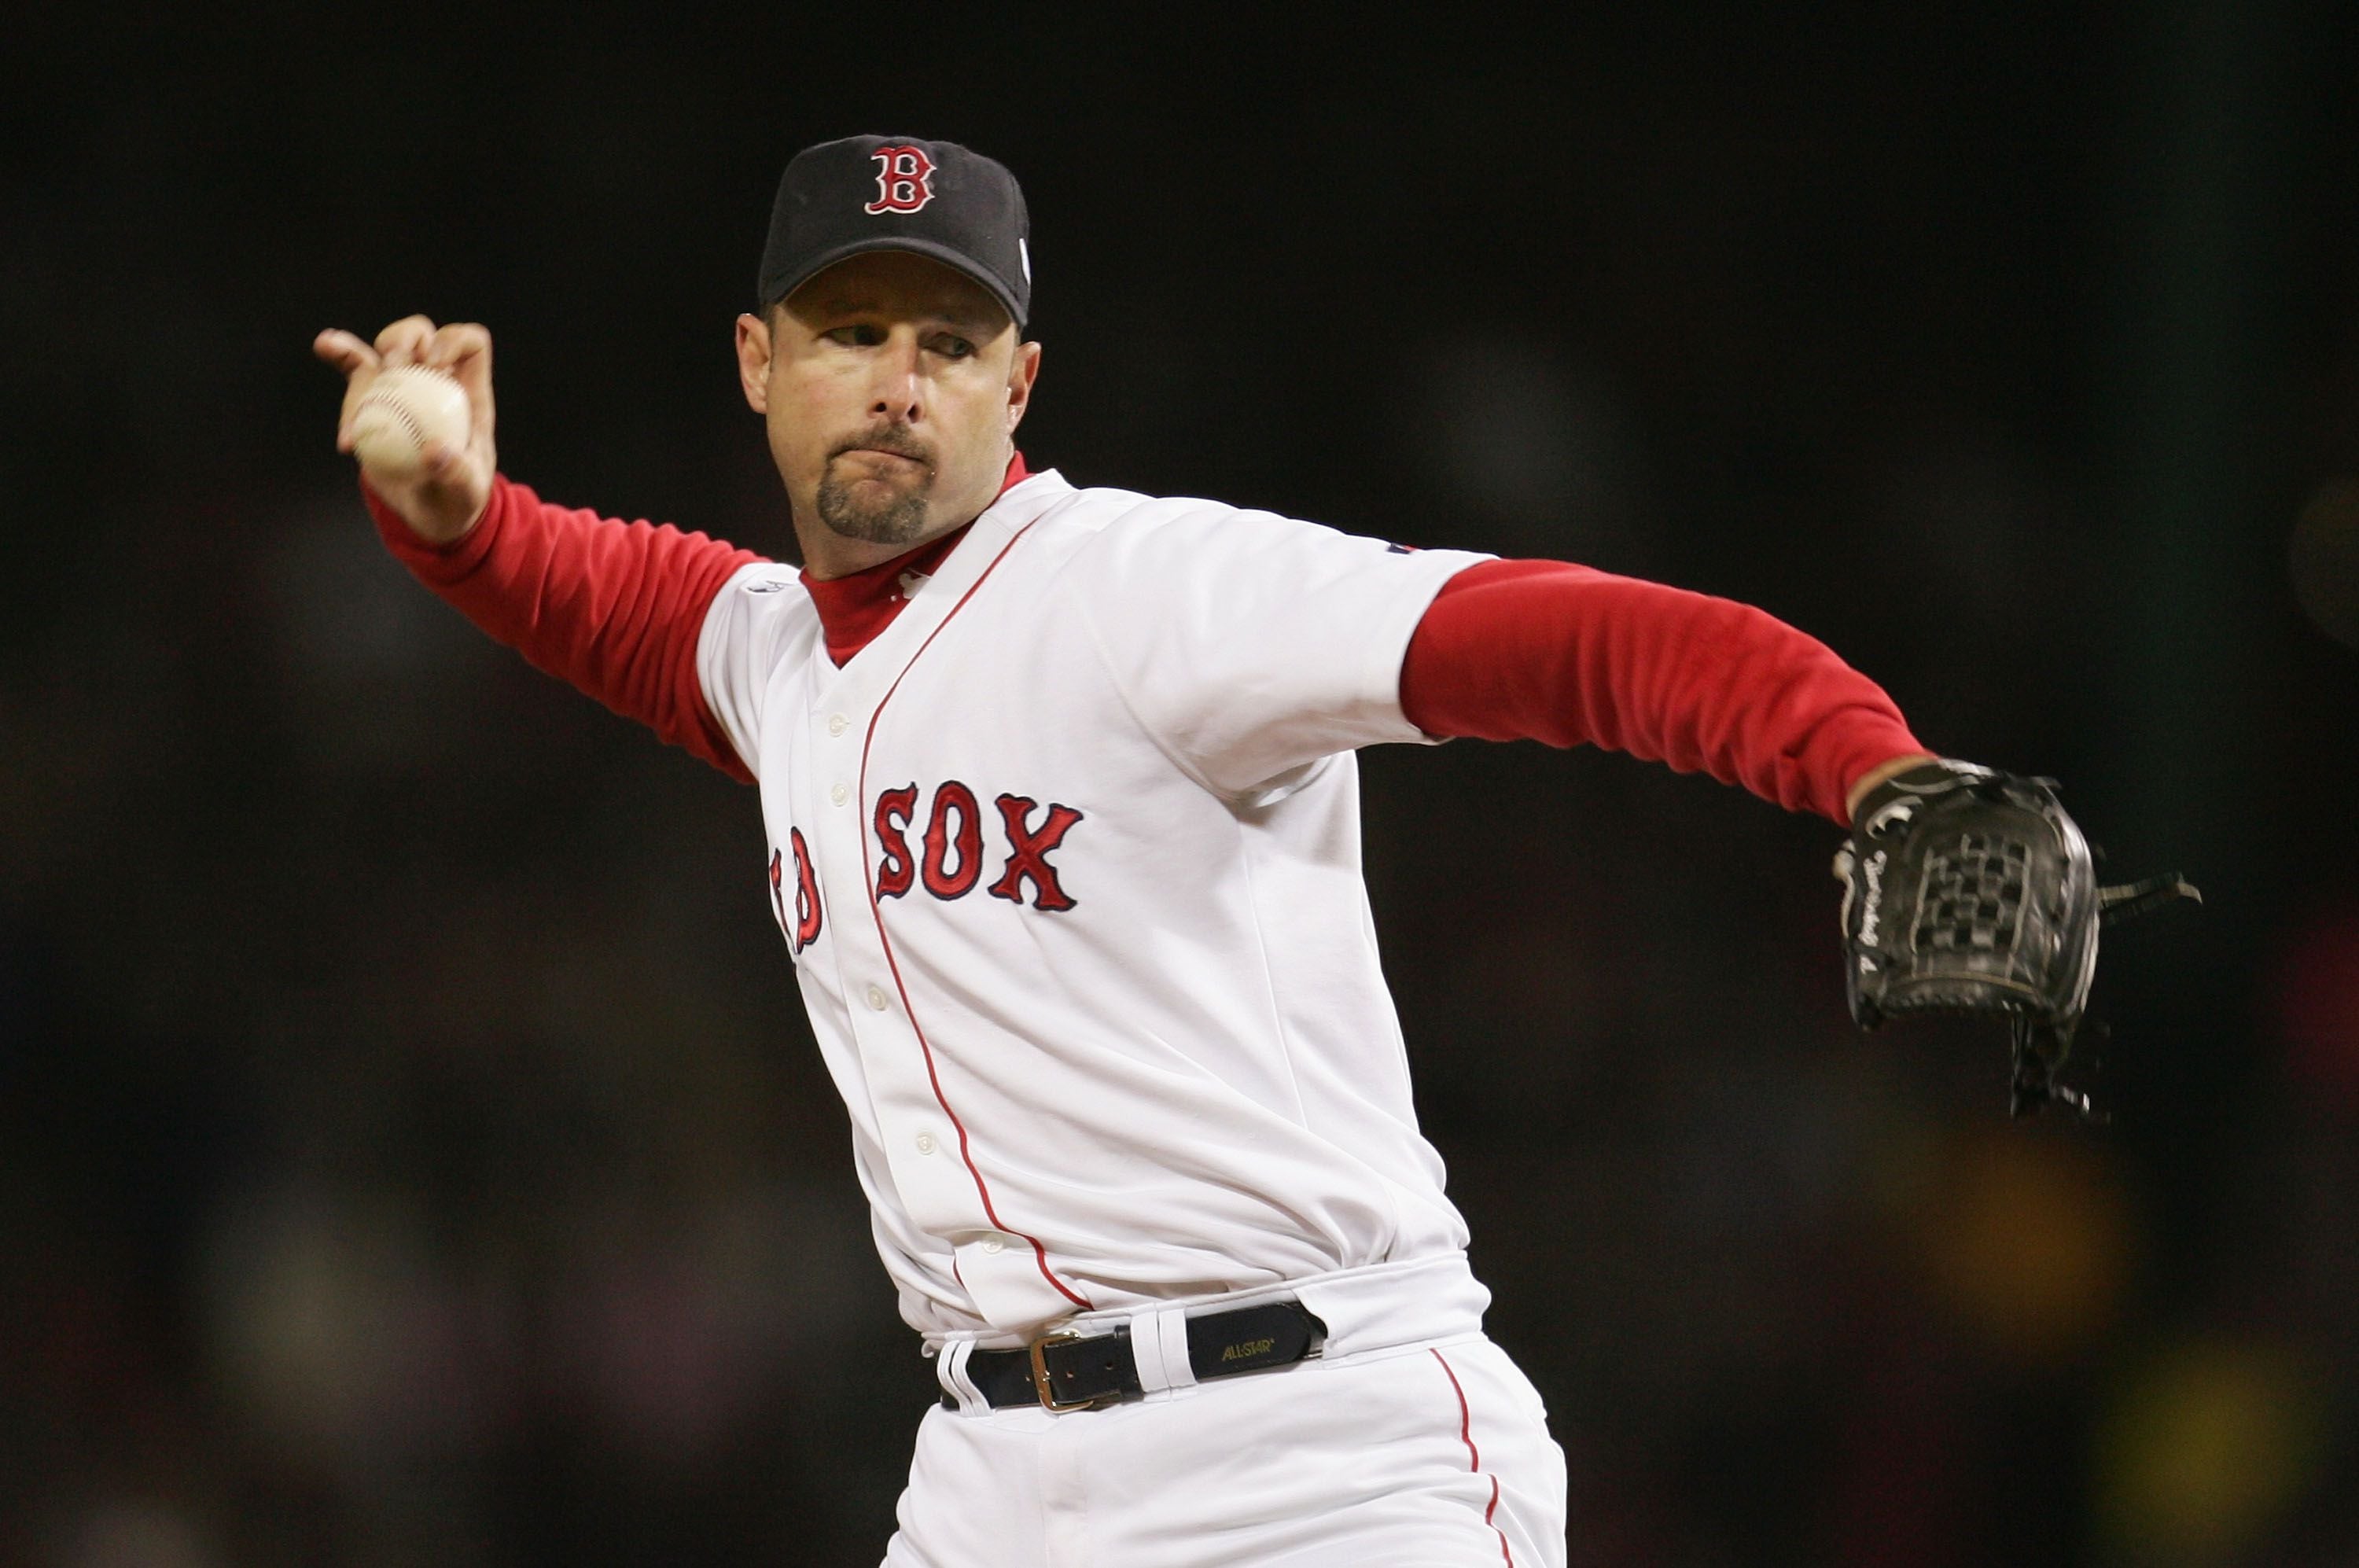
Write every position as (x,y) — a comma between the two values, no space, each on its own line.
(450,490)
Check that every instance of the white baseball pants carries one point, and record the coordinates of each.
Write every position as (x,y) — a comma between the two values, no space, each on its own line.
(1427,1455)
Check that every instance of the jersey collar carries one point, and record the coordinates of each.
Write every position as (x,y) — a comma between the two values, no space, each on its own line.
(854,609)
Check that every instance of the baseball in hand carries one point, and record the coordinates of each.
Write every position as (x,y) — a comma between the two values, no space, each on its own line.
(404,410)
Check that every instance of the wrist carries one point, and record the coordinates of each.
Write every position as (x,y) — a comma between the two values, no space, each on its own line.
(423,525)
(1880,773)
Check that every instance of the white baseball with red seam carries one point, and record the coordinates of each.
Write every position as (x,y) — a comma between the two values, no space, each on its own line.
(404,410)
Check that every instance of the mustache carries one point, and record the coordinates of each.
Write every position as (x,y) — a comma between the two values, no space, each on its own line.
(889,437)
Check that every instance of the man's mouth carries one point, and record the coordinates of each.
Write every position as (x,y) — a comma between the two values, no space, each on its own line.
(877,452)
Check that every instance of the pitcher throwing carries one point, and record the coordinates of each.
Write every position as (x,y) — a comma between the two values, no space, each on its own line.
(1060,810)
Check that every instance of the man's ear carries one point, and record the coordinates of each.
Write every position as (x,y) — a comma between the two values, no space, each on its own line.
(754,361)
(1021,373)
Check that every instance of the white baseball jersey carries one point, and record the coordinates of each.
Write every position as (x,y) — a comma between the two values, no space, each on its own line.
(1068,859)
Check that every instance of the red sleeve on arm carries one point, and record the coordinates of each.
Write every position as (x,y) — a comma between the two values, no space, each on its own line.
(1544,650)
(613,608)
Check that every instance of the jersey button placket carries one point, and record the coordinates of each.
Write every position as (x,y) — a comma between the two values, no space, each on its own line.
(880,1041)
(932,1191)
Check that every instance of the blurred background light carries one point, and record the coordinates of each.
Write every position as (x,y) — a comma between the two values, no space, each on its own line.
(2204,1446)
(2029,1239)
(2316,998)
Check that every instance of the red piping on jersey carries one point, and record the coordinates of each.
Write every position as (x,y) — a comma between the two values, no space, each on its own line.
(876,911)
(1475,1458)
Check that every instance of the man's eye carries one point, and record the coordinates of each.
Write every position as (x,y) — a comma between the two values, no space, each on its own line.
(953,348)
(862,336)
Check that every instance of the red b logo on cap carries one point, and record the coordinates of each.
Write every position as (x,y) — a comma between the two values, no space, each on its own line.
(905,179)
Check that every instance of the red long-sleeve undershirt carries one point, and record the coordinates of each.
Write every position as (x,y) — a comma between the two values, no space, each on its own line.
(613,607)
(1548,652)
(1509,650)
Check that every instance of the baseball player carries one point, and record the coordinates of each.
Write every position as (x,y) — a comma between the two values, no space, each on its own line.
(1060,833)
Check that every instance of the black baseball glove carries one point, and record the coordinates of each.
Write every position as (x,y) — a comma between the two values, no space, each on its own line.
(1971,891)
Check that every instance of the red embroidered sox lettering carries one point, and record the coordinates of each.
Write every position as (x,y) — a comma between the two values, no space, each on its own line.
(805,928)
(952,859)
(905,179)
(949,862)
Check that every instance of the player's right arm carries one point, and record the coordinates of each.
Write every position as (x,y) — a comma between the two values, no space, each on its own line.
(615,609)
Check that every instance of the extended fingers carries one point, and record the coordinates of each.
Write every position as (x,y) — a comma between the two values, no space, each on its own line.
(343,350)
(464,349)
(457,345)
(405,342)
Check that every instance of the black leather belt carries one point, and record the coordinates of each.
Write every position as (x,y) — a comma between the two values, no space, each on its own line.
(1082,1372)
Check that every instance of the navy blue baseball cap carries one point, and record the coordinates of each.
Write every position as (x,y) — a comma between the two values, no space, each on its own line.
(936,199)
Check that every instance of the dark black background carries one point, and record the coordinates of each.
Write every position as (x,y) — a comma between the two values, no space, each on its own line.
(410,1146)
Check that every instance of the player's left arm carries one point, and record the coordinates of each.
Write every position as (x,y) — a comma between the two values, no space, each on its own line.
(1548,652)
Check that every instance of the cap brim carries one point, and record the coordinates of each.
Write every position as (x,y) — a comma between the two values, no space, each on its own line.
(931,249)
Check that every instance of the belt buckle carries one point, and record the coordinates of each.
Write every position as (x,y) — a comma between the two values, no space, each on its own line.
(1040,1386)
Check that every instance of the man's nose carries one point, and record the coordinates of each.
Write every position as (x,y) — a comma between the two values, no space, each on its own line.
(900,392)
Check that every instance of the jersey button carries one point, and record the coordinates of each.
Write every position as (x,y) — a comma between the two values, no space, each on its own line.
(876,997)
(925,1143)
(837,723)
(995,1243)
(839,794)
